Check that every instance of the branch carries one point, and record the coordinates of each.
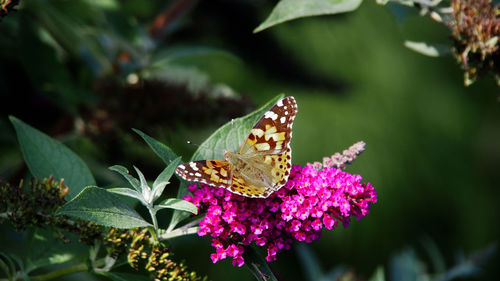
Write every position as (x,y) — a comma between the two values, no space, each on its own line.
(160,25)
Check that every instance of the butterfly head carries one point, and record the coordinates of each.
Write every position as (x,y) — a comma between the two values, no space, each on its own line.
(231,157)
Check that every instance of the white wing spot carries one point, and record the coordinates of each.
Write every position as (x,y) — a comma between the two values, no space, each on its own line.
(193,166)
(181,167)
(197,174)
(271,115)
(283,119)
(286,112)
(280,102)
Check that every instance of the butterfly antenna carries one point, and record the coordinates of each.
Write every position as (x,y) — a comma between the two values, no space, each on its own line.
(205,147)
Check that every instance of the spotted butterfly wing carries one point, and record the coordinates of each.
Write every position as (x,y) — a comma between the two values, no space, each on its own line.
(261,165)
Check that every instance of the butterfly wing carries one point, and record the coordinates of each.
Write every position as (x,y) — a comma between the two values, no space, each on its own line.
(273,132)
(267,147)
(246,188)
(211,172)
(218,173)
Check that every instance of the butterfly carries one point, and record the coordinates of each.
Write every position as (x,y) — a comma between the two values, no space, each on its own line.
(262,164)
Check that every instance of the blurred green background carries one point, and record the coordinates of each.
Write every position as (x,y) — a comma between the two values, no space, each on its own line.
(68,68)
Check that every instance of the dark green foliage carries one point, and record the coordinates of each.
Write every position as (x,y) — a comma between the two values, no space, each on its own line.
(84,73)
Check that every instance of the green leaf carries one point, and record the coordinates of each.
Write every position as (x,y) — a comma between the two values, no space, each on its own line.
(145,190)
(104,4)
(125,191)
(471,266)
(435,255)
(43,68)
(257,265)
(7,269)
(431,50)
(228,137)
(405,266)
(163,178)
(163,151)
(20,264)
(178,204)
(124,172)
(45,250)
(46,156)
(310,263)
(68,22)
(378,275)
(287,10)
(104,208)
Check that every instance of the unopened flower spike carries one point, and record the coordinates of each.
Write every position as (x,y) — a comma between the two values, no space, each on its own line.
(339,161)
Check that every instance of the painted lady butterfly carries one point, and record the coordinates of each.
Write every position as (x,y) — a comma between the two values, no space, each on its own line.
(262,164)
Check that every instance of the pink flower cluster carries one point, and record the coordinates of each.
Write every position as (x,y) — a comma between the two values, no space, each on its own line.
(311,200)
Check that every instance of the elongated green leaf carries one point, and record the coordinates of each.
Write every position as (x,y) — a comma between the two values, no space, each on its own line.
(405,266)
(431,50)
(104,4)
(310,263)
(163,179)
(258,266)
(145,189)
(127,192)
(7,269)
(46,156)
(22,270)
(437,259)
(178,204)
(124,172)
(104,208)
(470,266)
(163,151)
(43,67)
(287,10)
(45,250)
(378,275)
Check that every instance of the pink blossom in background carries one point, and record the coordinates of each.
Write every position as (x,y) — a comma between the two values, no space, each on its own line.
(316,197)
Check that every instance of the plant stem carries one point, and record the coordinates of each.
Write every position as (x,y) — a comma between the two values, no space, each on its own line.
(180,232)
(152,212)
(161,23)
(58,273)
